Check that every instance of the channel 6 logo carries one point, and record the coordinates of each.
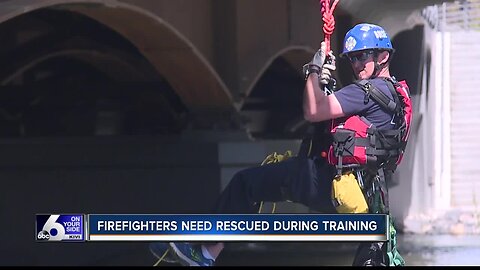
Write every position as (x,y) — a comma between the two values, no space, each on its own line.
(59,227)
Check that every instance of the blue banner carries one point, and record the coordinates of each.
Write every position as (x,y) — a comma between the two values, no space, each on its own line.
(254,227)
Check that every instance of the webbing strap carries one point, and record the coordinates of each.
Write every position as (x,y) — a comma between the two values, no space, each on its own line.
(387,143)
(394,257)
(381,98)
(391,87)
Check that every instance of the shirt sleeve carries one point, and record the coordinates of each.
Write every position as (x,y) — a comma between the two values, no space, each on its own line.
(352,100)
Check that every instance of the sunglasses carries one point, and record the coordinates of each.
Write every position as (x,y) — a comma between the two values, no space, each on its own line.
(362,57)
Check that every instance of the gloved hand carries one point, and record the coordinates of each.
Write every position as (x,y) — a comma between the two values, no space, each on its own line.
(319,57)
(317,62)
(327,68)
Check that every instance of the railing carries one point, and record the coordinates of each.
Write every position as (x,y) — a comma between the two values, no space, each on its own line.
(454,16)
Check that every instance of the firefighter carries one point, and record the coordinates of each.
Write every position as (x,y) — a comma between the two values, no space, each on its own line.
(307,178)
(371,119)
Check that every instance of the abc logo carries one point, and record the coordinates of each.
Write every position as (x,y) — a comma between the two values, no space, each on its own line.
(43,235)
(49,228)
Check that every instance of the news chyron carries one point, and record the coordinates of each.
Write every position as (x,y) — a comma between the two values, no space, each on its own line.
(60,227)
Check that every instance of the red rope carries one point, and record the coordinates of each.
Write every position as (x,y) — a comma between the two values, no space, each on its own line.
(328,20)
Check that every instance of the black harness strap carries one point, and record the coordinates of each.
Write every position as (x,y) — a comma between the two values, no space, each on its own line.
(383,100)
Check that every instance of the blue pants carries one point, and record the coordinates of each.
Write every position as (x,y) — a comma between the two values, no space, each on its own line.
(299,179)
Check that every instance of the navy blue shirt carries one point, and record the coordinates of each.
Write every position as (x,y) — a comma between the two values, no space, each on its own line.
(352,101)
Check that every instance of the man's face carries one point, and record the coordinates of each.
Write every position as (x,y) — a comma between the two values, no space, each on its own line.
(362,64)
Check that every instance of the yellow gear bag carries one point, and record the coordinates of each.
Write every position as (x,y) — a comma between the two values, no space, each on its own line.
(347,195)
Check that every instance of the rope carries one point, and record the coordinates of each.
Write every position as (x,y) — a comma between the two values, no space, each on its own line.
(328,20)
(161,258)
(328,28)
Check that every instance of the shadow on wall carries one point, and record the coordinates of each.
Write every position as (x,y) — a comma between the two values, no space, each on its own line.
(407,64)
(407,60)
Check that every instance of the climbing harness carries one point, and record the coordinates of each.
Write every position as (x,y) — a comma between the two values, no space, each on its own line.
(357,142)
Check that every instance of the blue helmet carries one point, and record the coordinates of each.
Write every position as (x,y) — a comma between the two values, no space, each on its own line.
(366,36)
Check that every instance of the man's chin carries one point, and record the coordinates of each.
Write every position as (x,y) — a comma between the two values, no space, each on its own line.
(362,77)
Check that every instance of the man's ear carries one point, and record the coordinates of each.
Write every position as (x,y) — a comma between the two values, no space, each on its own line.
(383,57)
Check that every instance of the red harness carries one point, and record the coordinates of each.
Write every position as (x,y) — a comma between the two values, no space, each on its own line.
(358,143)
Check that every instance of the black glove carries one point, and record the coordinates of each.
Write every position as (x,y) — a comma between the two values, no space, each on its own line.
(315,66)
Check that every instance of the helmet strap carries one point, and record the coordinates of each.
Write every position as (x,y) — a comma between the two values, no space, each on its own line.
(377,67)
